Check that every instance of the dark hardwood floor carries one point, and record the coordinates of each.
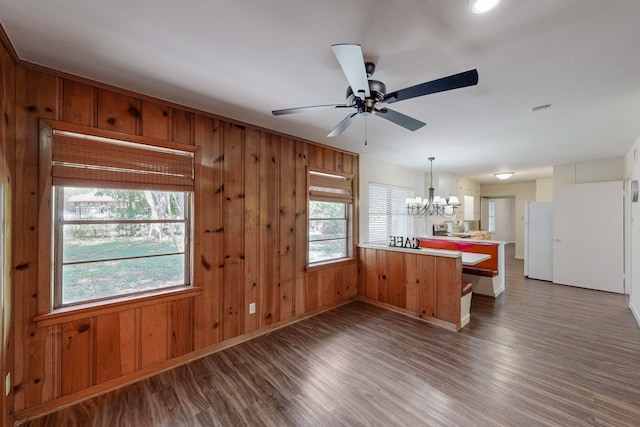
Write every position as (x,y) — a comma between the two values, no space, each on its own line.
(538,355)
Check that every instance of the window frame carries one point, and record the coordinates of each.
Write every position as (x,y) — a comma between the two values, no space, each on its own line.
(58,247)
(340,193)
(48,314)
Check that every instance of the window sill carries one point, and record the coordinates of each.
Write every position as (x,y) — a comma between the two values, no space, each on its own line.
(83,311)
(330,264)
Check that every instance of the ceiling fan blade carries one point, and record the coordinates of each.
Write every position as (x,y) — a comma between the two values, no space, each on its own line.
(343,125)
(400,119)
(305,109)
(352,62)
(456,81)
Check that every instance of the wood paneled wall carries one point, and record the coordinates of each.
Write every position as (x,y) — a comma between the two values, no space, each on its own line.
(250,245)
(425,286)
(7,138)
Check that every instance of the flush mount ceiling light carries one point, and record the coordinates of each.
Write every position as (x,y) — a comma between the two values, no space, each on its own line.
(483,6)
(503,175)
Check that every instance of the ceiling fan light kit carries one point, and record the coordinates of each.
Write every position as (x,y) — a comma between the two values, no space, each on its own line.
(364,94)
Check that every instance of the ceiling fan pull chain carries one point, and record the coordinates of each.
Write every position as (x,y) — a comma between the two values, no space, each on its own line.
(365,130)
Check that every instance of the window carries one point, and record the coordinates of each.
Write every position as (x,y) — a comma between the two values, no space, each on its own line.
(121,216)
(330,205)
(117,242)
(388,214)
(492,215)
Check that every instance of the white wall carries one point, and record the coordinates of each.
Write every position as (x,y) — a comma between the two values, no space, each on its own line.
(596,171)
(522,192)
(632,232)
(544,190)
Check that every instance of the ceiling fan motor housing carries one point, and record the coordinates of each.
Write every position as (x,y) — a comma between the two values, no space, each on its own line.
(377,90)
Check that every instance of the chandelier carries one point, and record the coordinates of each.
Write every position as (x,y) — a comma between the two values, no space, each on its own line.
(433,205)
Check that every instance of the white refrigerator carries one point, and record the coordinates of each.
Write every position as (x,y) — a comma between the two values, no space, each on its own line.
(538,240)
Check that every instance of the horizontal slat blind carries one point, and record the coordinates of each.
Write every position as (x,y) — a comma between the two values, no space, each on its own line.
(329,187)
(83,159)
(388,212)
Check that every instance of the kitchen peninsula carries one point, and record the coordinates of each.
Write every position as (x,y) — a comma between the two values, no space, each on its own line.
(426,283)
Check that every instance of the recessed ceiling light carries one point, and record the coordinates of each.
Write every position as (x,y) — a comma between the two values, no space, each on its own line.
(483,6)
(503,175)
(540,108)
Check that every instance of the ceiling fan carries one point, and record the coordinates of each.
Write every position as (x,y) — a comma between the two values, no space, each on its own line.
(365,95)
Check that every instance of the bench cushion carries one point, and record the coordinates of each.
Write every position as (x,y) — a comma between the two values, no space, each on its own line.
(488,268)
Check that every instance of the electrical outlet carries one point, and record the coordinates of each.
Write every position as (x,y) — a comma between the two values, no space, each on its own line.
(252,308)
(7,384)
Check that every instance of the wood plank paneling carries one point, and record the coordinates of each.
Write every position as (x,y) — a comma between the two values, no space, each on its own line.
(396,282)
(207,274)
(269,288)
(233,284)
(7,170)
(117,112)
(78,340)
(182,126)
(411,282)
(154,334)
(426,286)
(251,227)
(300,223)
(422,285)
(286,196)
(371,273)
(448,292)
(116,352)
(328,287)
(78,103)
(313,290)
(383,276)
(35,97)
(181,327)
(156,120)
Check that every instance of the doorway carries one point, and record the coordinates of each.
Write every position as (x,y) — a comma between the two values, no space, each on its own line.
(498,214)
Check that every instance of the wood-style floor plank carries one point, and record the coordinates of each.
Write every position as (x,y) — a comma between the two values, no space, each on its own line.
(539,355)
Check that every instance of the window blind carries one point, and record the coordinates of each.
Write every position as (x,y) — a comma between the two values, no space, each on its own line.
(330,187)
(84,160)
(388,212)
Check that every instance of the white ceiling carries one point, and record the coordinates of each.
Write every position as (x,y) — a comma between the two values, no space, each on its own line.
(243,59)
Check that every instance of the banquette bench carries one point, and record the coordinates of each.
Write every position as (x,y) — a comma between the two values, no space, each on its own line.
(487,277)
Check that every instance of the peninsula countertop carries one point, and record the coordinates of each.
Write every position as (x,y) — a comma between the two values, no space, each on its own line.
(468,258)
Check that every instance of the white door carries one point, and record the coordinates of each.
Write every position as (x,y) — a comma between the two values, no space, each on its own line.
(588,240)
